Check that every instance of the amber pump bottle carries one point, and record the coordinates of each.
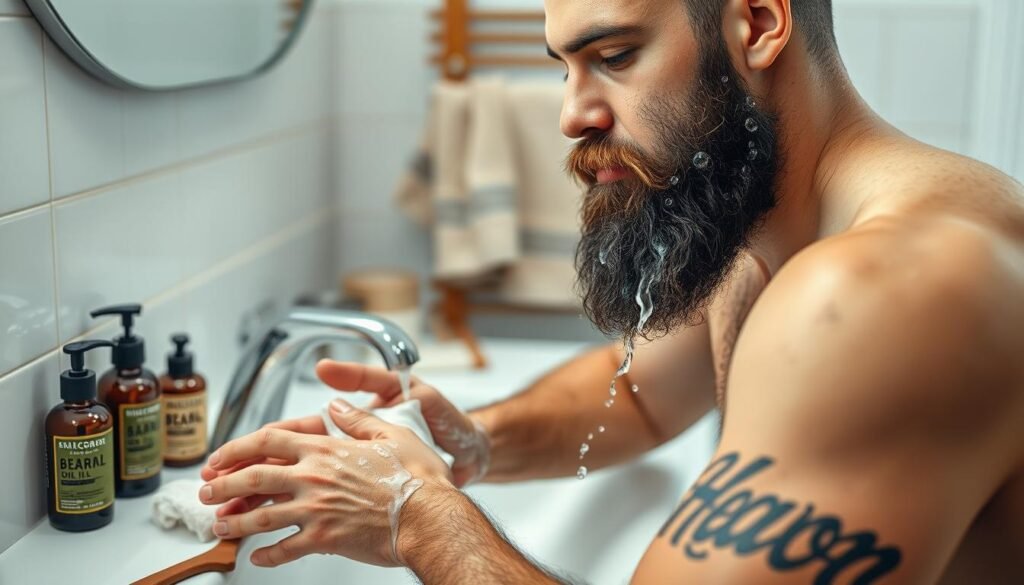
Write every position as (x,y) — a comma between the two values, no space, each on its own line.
(132,393)
(184,396)
(79,450)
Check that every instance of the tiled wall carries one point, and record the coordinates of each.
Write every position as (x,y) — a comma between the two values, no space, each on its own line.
(201,204)
(918,62)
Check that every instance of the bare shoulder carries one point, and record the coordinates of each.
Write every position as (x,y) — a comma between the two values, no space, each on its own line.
(909,323)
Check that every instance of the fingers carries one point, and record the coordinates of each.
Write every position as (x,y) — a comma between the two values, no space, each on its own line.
(285,551)
(260,519)
(351,376)
(266,442)
(243,505)
(258,479)
(309,425)
(357,423)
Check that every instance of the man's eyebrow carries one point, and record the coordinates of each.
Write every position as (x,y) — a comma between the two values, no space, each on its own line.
(594,34)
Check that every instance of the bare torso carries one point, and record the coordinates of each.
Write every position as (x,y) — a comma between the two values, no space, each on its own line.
(992,549)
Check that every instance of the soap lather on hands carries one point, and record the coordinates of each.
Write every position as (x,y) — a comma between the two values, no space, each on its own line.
(346,496)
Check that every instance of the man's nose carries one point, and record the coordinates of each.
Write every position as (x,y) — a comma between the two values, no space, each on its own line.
(584,113)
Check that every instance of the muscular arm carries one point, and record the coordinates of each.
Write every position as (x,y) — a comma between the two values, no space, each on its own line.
(855,450)
(537,433)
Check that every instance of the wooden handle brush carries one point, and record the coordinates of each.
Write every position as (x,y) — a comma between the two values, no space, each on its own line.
(219,559)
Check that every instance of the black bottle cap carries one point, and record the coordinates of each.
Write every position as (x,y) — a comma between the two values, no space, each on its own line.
(179,363)
(129,350)
(79,384)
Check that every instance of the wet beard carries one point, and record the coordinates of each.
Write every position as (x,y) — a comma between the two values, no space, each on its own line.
(668,243)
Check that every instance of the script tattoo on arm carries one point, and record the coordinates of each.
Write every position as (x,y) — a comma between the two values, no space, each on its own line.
(719,513)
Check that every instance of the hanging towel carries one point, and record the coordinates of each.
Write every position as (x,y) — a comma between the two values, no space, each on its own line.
(489,182)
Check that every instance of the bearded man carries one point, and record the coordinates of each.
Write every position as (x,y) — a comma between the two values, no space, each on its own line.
(848,298)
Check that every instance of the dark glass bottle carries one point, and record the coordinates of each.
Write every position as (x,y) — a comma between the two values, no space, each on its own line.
(184,396)
(132,393)
(79,450)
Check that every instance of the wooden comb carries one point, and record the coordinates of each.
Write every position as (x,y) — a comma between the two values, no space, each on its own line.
(219,559)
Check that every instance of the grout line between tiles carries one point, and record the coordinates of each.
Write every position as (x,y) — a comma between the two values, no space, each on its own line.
(54,258)
(309,128)
(237,260)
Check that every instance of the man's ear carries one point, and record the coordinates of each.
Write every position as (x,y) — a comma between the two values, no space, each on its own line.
(756,31)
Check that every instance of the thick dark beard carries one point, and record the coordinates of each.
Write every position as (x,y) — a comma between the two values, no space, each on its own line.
(673,247)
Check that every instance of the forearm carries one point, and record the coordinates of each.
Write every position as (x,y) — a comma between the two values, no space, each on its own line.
(446,540)
(538,432)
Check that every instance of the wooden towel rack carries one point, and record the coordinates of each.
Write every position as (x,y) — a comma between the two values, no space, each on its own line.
(466,40)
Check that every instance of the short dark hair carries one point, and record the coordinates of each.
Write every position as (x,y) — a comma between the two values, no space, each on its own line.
(813,17)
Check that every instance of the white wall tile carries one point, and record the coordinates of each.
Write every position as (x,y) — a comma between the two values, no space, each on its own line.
(236,201)
(24,169)
(118,246)
(100,134)
(28,325)
(13,7)
(931,57)
(382,58)
(27,395)
(375,152)
(86,145)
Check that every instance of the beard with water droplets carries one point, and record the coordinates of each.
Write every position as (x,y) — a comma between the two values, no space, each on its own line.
(667,236)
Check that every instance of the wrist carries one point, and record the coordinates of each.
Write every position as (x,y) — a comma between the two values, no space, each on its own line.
(420,522)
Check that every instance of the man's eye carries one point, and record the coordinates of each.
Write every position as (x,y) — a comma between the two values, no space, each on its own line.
(618,60)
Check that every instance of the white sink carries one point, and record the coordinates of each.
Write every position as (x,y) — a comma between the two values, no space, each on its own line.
(595,529)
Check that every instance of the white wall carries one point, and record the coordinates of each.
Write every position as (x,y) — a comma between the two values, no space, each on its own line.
(923,64)
(200,204)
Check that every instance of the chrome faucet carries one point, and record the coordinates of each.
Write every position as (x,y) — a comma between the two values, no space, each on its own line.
(258,388)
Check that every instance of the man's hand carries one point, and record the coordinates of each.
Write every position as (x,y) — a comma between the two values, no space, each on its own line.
(453,430)
(346,496)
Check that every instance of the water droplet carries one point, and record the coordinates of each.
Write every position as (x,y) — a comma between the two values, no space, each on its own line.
(608,403)
(612,391)
(673,180)
(750,125)
(669,202)
(750,102)
(338,467)
(752,154)
(751,144)
(635,388)
(701,160)
(590,436)
(342,453)
(583,449)
(600,429)
(581,472)
(603,257)
(725,79)
(362,462)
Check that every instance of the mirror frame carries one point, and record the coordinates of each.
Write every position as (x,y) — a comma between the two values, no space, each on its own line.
(64,37)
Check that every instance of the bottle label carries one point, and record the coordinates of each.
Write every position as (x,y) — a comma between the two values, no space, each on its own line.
(83,472)
(184,426)
(141,442)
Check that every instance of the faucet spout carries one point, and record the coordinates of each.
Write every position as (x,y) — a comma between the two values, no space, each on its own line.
(266,370)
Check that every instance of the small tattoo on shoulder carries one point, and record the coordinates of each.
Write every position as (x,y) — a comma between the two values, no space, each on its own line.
(718,512)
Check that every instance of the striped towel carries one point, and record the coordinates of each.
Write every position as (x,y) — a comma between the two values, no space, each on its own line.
(488,181)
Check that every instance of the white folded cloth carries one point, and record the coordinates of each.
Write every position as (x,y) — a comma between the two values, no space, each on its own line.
(407,414)
(177,502)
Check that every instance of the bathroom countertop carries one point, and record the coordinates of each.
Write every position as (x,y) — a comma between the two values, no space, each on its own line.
(132,546)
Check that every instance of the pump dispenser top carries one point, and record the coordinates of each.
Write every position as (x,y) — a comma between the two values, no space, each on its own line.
(79,384)
(129,350)
(180,363)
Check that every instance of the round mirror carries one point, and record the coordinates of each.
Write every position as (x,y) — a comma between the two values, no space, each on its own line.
(168,44)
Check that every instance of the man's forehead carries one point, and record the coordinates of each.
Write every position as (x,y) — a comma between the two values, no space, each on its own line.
(566,19)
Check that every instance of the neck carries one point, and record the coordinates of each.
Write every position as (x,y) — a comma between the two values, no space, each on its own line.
(820,124)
